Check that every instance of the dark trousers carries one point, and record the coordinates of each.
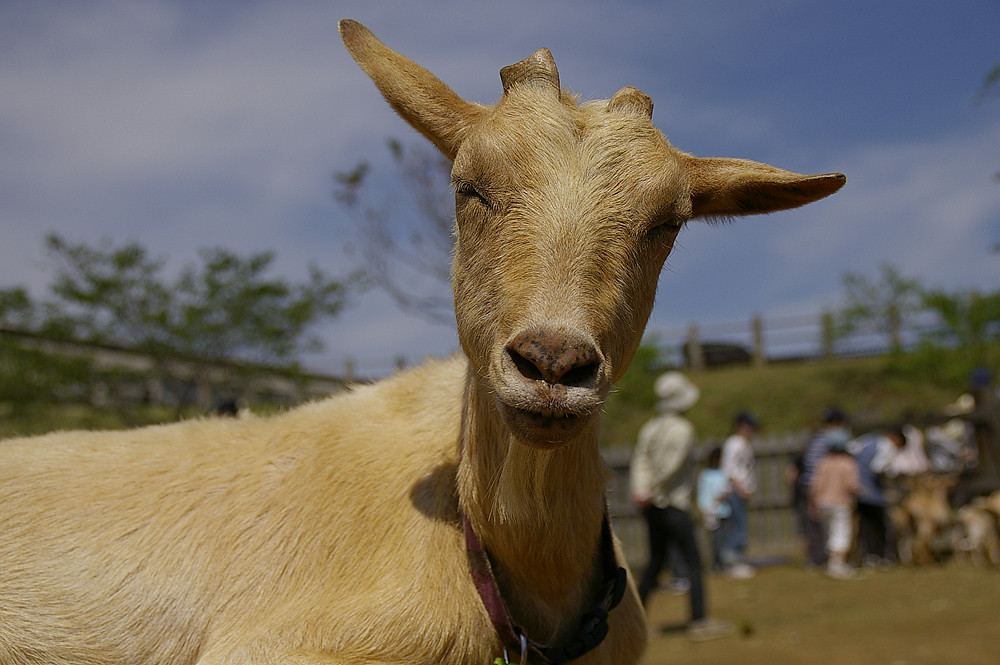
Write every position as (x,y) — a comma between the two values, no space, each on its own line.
(872,531)
(813,532)
(666,527)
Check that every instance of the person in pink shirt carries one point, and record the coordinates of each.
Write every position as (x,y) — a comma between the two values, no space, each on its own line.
(833,493)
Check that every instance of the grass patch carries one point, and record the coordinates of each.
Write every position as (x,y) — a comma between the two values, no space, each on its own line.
(902,616)
(29,419)
(787,397)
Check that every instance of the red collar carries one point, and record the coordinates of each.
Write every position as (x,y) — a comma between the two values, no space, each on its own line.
(593,625)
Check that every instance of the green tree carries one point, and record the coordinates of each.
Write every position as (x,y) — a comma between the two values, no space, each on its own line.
(225,309)
(881,306)
(17,310)
(28,374)
(406,253)
(969,321)
(109,294)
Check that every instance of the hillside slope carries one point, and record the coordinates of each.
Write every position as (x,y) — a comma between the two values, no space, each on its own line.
(787,396)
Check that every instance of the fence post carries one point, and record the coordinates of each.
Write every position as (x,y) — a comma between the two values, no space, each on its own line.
(828,334)
(695,354)
(759,355)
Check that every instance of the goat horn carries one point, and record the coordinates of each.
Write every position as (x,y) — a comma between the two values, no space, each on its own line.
(631,101)
(539,69)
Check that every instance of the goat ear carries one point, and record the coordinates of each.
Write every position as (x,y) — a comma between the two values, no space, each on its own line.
(722,187)
(430,106)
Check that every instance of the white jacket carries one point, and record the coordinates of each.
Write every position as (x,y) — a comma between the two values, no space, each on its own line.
(662,468)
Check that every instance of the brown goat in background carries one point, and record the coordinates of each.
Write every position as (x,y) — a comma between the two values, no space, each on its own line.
(344,531)
(976,533)
(923,518)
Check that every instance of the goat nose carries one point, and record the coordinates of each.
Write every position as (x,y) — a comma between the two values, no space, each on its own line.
(558,358)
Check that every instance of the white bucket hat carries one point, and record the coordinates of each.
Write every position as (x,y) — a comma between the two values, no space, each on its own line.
(965,404)
(676,392)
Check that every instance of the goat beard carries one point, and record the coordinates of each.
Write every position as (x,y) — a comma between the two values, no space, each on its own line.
(521,496)
(540,488)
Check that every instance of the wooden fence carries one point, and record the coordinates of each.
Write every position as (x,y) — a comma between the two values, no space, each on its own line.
(760,340)
(123,375)
(773,527)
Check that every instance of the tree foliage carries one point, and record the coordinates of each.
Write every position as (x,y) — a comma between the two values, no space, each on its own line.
(225,308)
(16,308)
(990,85)
(968,321)
(27,373)
(960,330)
(405,235)
(880,306)
(108,294)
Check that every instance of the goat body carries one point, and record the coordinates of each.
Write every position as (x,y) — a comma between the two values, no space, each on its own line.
(922,517)
(977,534)
(160,545)
(333,533)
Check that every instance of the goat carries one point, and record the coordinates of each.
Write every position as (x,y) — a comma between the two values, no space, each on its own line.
(992,503)
(922,517)
(976,533)
(450,514)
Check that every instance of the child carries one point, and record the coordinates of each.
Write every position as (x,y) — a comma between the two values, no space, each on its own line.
(832,494)
(713,492)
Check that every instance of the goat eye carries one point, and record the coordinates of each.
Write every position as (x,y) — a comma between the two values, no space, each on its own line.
(466,189)
(668,224)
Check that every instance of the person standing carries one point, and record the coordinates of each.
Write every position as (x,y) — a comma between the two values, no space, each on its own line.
(874,453)
(713,503)
(739,465)
(833,431)
(832,494)
(661,478)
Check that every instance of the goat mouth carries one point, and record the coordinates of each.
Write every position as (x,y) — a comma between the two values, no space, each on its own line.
(543,427)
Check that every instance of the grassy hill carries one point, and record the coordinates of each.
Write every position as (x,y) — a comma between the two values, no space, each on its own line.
(790,397)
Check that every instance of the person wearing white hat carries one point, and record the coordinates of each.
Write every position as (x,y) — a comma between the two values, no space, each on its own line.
(661,482)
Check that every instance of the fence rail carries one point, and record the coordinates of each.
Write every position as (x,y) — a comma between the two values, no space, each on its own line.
(773,526)
(760,340)
(132,375)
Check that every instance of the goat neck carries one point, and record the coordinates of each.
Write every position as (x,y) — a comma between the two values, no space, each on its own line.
(538,512)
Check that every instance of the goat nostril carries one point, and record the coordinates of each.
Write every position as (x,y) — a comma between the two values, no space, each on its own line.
(582,376)
(526,367)
(556,358)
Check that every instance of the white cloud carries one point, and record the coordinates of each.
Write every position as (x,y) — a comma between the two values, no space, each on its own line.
(926,206)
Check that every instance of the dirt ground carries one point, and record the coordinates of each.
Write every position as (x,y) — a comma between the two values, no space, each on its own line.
(948,615)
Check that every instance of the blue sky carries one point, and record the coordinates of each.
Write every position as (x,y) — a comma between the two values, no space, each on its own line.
(185,124)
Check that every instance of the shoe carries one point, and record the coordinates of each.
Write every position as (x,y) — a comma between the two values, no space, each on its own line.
(839,571)
(706,629)
(680,586)
(739,571)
